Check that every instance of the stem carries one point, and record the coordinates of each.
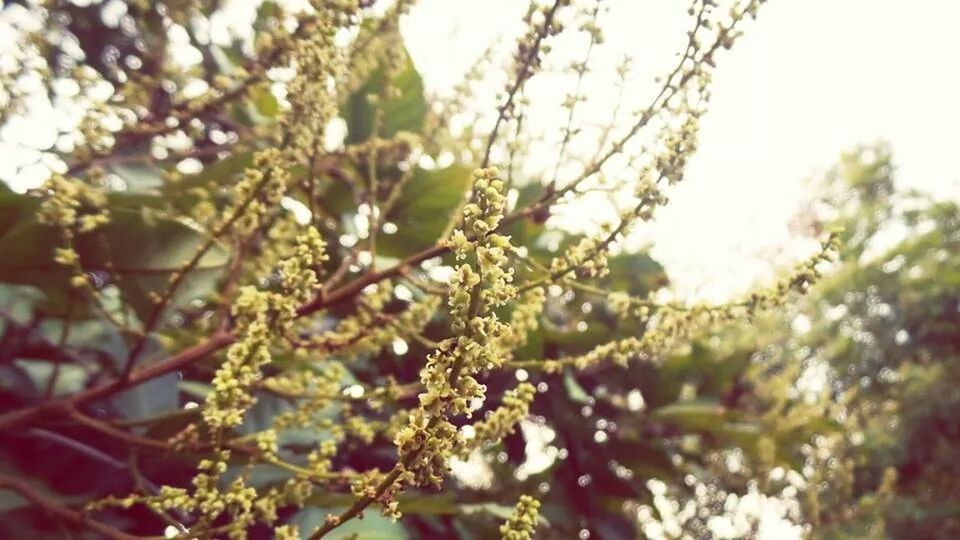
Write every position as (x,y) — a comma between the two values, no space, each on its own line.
(524,74)
(180,360)
(116,433)
(54,508)
(223,337)
(181,275)
(61,343)
(568,129)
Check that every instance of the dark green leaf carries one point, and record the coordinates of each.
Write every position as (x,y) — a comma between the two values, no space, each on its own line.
(405,112)
(139,177)
(141,249)
(424,209)
(150,398)
(703,414)
(220,172)
(373,526)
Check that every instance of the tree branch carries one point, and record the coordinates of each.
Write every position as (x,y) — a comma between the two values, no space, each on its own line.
(53,507)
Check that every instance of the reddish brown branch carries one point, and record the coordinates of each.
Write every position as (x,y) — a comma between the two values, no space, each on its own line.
(222,338)
(180,360)
(56,509)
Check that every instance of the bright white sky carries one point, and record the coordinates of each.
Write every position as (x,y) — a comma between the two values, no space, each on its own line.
(810,79)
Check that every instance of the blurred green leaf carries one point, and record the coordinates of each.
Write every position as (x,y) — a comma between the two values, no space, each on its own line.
(574,390)
(423,210)
(144,250)
(373,526)
(71,378)
(701,414)
(148,399)
(264,101)
(139,177)
(195,389)
(635,273)
(502,512)
(220,172)
(404,111)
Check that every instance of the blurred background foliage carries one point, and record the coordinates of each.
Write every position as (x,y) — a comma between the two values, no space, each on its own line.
(842,410)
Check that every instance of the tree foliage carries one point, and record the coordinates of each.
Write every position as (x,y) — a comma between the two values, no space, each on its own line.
(853,388)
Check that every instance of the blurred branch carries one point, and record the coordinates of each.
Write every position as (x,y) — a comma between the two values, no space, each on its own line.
(523,74)
(54,508)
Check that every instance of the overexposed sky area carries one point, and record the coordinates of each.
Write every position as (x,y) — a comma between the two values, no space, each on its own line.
(809,79)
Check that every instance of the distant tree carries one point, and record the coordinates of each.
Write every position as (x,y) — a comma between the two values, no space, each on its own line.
(854,390)
(220,319)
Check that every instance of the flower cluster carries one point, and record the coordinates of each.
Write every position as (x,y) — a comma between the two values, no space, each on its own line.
(502,421)
(524,319)
(523,523)
(481,284)
(315,59)
(72,205)
(426,443)
(299,271)
(672,324)
(476,290)
(208,498)
(587,258)
(258,315)
(230,396)
(261,189)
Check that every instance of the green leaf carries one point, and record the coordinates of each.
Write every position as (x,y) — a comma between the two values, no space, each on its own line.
(139,177)
(423,210)
(17,302)
(705,414)
(574,390)
(409,503)
(501,511)
(264,101)
(373,526)
(169,423)
(71,378)
(220,172)
(741,434)
(142,249)
(150,398)
(406,111)
(647,459)
(635,273)
(195,389)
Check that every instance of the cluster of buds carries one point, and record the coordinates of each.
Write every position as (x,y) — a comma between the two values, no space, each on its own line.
(503,420)
(673,324)
(587,258)
(258,315)
(72,205)
(524,319)
(428,442)
(523,523)
(299,271)
(480,285)
(261,189)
